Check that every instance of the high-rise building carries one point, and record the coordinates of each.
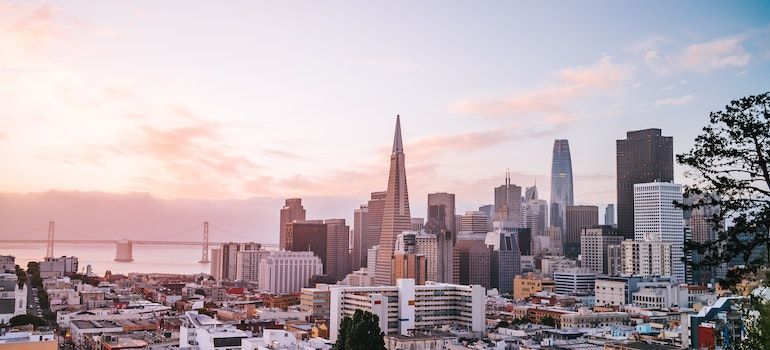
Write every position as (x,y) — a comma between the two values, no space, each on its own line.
(338,249)
(395,216)
(557,243)
(216,264)
(578,217)
(360,236)
(699,223)
(574,281)
(248,264)
(561,183)
(644,156)
(291,211)
(489,211)
(409,265)
(309,235)
(441,206)
(508,202)
(609,215)
(473,262)
(228,259)
(656,218)
(407,306)
(594,245)
(536,216)
(376,206)
(417,224)
(474,222)
(505,259)
(531,193)
(282,272)
(650,258)
(614,260)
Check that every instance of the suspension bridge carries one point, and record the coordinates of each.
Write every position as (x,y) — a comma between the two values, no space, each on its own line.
(124,247)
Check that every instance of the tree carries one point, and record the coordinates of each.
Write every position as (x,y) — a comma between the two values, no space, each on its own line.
(548,321)
(730,169)
(21,276)
(503,324)
(362,332)
(22,320)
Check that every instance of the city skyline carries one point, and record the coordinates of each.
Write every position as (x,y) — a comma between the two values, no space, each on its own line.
(160,137)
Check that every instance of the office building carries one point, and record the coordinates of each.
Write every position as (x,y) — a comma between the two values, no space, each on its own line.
(436,235)
(473,262)
(614,261)
(417,224)
(407,306)
(282,272)
(376,206)
(508,202)
(594,243)
(574,281)
(338,249)
(609,215)
(505,256)
(526,286)
(489,211)
(536,216)
(578,217)
(396,217)
(644,156)
(441,206)
(561,183)
(308,235)
(557,243)
(656,218)
(291,211)
(649,258)
(316,301)
(409,265)
(360,237)
(474,222)
(371,256)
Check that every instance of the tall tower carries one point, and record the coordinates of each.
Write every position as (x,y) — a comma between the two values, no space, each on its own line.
(508,202)
(441,206)
(292,211)
(644,156)
(561,183)
(395,216)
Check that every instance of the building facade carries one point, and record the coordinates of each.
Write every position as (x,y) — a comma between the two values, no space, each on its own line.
(646,258)
(594,244)
(657,219)
(578,217)
(291,211)
(282,272)
(561,183)
(644,156)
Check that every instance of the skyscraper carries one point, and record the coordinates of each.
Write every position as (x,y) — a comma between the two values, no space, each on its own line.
(338,245)
(609,215)
(508,202)
(656,219)
(444,241)
(375,206)
(505,257)
(644,156)
(536,216)
(441,206)
(395,216)
(360,236)
(561,183)
(594,245)
(474,222)
(489,211)
(291,211)
(578,217)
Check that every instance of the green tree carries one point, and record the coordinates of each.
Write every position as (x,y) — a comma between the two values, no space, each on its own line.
(503,324)
(22,320)
(21,276)
(362,332)
(729,166)
(548,321)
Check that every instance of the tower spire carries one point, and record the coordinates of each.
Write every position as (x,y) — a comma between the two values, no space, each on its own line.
(398,146)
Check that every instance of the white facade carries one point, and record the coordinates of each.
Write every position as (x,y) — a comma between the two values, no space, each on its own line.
(657,219)
(60,266)
(593,247)
(13,300)
(407,306)
(287,272)
(611,291)
(574,281)
(647,258)
(660,295)
(205,333)
(536,216)
(426,244)
(371,260)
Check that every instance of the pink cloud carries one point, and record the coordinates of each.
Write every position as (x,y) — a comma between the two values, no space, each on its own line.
(549,103)
(715,54)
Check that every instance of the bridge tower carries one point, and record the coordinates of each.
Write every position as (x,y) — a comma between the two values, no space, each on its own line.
(49,246)
(205,252)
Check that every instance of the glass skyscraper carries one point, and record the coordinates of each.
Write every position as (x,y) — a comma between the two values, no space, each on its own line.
(561,183)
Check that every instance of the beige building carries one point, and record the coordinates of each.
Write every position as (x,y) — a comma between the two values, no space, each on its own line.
(647,258)
(526,286)
(316,301)
(291,211)
(409,265)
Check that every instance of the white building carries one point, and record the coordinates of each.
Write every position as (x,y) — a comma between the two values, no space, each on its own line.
(371,260)
(551,264)
(57,267)
(288,272)
(247,262)
(616,291)
(23,340)
(13,299)
(574,281)
(661,295)
(657,219)
(407,306)
(7,263)
(646,258)
(205,333)
(593,247)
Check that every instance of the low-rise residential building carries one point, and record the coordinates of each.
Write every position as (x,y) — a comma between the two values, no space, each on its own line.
(526,286)
(13,298)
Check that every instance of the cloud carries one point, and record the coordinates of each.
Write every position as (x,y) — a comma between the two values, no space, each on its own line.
(25,28)
(674,101)
(282,154)
(550,103)
(390,63)
(700,58)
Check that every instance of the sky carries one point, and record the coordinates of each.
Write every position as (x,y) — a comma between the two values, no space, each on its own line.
(217,102)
